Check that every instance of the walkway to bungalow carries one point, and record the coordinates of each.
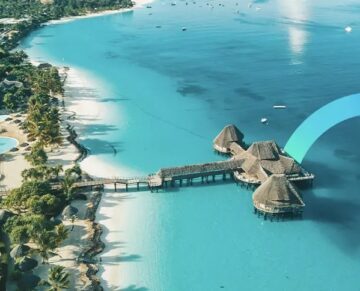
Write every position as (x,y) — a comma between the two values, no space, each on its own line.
(251,167)
(168,176)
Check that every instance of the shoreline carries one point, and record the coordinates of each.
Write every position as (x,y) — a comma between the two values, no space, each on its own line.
(68,154)
(138,4)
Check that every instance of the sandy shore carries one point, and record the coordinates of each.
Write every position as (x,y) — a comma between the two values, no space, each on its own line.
(84,238)
(138,4)
(12,163)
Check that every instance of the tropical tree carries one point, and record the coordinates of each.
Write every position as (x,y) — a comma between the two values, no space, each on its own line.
(62,233)
(18,199)
(58,279)
(42,173)
(68,187)
(37,156)
(47,204)
(46,242)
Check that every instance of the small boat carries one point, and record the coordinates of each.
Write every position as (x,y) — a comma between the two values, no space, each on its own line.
(148,6)
(348,28)
(264,120)
(184,28)
(279,106)
(158,26)
(173,4)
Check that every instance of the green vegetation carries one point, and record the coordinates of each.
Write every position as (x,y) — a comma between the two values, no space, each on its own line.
(58,279)
(34,90)
(24,87)
(32,13)
(58,8)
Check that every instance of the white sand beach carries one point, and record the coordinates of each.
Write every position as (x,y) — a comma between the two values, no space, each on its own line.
(82,109)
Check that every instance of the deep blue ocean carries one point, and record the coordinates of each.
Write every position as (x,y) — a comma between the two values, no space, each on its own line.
(165,93)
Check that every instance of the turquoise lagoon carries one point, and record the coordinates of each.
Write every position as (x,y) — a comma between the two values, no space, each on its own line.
(165,93)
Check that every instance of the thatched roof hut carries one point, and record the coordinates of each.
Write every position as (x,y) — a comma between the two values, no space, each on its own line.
(264,150)
(227,136)
(19,251)
(252,166)
(271,160)
(277,195)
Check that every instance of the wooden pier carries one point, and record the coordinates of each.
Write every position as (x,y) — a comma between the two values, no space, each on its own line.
(168,177)
(181,176)
(248,166)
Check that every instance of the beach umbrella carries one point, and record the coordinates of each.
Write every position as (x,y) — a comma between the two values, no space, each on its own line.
(25,144)
(69,211)
(28,282)
(14,150)
(26,264)
(19,251)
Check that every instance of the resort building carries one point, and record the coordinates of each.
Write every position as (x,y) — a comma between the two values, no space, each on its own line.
(262,159)
(277,195)
(265,164)
(229,135)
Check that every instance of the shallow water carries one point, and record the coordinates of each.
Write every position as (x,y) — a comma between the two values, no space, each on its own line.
(7,144)
(162,95)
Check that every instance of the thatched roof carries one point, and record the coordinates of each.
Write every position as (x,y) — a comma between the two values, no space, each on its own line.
(265,150)
(19,251)
(271,159)
(69,211)
(252,166)
(283,165)
(277,195)
(228,135)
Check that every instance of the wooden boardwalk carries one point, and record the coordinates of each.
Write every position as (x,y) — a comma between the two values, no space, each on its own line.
(166,177)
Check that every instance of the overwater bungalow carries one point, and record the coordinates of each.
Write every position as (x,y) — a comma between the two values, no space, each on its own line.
(230,134)
(262,159)
(277,195)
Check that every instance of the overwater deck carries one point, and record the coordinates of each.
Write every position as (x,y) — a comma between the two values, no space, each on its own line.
(244,166)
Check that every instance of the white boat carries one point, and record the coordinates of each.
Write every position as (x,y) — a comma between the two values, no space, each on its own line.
(264,120)
(348,28)
(184,28)
(279,106)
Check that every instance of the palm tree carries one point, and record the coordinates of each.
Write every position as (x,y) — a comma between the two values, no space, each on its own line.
(68,186)
(58,279)
(46,243)
(62,233)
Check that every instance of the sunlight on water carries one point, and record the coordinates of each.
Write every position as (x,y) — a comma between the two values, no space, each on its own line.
(165,94)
